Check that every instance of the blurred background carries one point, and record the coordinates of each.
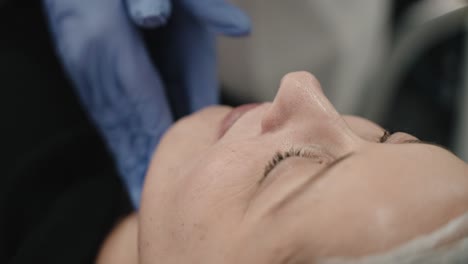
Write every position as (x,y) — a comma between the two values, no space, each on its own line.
(400,63)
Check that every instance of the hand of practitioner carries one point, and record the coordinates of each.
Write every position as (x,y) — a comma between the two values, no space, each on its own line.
(125,94)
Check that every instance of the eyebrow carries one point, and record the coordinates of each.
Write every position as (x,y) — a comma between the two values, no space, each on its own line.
(304,186)
(418,141)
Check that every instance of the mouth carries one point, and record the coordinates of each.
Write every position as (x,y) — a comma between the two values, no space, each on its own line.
(230,119)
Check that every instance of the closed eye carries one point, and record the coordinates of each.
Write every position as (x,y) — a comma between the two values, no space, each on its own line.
(292,152)
(301,152)
(388,134)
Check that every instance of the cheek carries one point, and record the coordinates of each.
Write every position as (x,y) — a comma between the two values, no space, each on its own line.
(200,199)
(190,136)
(220,180)
(173,219)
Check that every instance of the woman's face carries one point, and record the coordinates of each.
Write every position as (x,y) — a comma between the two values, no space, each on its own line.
(214,195)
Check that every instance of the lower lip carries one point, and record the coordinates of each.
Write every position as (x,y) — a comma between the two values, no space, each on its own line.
(233,116)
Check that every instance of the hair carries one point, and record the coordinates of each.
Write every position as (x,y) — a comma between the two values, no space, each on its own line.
(447,245)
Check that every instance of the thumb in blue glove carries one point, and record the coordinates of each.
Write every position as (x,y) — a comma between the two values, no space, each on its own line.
(149,13)
(219,15)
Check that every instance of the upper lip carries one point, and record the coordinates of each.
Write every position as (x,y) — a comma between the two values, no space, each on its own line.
(230,119)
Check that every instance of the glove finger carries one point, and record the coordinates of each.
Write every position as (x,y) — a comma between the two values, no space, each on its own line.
(145,116)
(149,13)
(221,16)
(188,63)
(115,80)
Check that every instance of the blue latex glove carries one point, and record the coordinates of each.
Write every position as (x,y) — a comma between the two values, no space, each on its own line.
(121,89)
(217,14)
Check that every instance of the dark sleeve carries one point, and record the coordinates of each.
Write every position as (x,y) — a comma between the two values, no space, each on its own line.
(59,192)
(58,205)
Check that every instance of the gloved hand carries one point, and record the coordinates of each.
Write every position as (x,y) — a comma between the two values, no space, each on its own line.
(217,14)
(123,92)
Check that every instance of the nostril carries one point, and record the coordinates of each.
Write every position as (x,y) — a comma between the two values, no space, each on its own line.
(270,121)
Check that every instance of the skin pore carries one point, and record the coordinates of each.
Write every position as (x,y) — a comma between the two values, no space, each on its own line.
(289,182)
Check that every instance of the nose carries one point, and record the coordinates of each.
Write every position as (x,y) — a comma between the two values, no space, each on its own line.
(301,103)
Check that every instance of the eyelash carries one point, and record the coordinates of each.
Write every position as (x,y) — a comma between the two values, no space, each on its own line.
(387,134)
(300,152)
(293,152)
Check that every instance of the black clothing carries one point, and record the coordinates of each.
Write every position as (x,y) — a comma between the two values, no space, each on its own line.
(59,192)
